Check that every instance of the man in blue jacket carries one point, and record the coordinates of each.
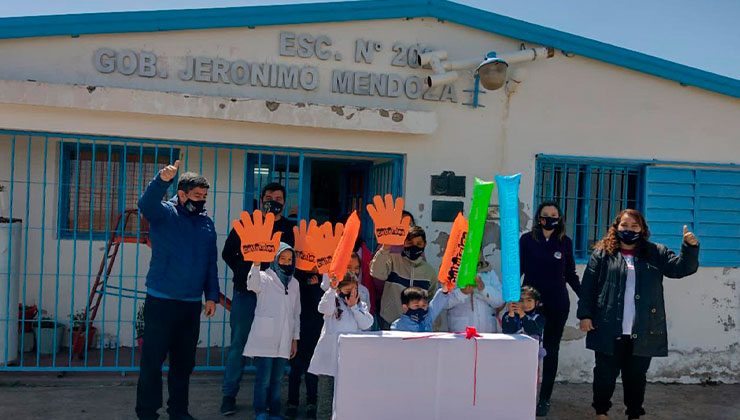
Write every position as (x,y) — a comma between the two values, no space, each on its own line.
(182,269)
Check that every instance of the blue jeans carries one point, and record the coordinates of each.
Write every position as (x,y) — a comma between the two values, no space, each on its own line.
(242,315)
(267,384)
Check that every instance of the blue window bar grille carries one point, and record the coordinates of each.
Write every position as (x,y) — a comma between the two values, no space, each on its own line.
(74,252)
(590,195)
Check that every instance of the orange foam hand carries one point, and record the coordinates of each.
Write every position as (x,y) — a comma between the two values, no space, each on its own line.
(305,256)
(258,243)
(453,253)
(343,252)
(324,243)
(391,227)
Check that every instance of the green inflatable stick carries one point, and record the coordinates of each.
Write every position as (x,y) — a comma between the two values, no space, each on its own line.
(476,223)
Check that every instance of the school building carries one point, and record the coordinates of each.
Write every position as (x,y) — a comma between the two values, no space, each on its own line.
(331,101)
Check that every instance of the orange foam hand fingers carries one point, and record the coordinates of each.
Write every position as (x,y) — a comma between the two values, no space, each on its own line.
(305,256)
(345,247)
(258,243)
(391,227)
(323,243)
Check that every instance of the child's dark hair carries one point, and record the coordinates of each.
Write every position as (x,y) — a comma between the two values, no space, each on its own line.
(348,280)
(190,180)
(416,232)
(411,294)
(531,292)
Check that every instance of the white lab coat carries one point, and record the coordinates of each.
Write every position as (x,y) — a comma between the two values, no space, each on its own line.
(277,316)
(478,309)
(324,360)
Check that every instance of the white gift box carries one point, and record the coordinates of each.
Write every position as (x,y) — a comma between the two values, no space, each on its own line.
(401,375)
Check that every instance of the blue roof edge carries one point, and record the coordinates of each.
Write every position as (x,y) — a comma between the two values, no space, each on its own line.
(343,11)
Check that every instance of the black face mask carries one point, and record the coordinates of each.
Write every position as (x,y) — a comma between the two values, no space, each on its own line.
(343,296)
(194,207)
(272,206)
(550,222)
(628,237)
(412,252)
(287,269)
(418,314)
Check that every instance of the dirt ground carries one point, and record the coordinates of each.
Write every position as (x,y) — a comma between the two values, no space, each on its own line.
(109,397)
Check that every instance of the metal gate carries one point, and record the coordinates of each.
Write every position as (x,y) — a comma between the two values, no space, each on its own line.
(74,252)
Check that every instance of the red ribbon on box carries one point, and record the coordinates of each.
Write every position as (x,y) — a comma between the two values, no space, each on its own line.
(469,333)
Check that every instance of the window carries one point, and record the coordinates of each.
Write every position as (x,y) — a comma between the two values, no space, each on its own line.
(100,182)
(591,191)
(589,194)
(705,199)
(272,167)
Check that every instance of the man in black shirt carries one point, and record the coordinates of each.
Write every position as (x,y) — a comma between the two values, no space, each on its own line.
(244,301)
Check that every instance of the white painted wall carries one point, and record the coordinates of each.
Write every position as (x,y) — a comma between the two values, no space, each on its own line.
(566,106)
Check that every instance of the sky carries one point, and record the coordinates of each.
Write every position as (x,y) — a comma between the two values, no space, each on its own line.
(699,33)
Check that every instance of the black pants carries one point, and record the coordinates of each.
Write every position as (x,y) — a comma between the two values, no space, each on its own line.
(554,325)
(633,370)
(171,327)
(298,369)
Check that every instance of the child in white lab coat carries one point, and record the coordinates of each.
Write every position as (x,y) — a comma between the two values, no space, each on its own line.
(275,331)
(476,306)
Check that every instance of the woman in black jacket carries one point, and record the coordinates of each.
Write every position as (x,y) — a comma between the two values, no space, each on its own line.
(546,257)
(621,306)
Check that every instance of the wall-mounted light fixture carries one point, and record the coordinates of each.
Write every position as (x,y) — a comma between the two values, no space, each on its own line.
(491,70)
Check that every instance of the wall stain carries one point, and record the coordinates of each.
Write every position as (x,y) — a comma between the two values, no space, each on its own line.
(441,242)
(272,106)
(339,110)
(728,324)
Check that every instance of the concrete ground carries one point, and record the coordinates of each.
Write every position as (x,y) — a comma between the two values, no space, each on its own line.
(109,397)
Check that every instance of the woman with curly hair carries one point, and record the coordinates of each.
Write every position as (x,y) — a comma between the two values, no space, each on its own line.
(621,306)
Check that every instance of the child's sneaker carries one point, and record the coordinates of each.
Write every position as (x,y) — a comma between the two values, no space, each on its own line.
(228,406)
(291,412)
(543,407)
(311,411)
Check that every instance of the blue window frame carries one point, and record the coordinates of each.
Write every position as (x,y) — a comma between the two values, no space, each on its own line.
(590,194)
(100,181)
(591,191)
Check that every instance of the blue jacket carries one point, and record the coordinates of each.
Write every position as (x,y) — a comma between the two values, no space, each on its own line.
(184,252)
(405,323)
(532,324)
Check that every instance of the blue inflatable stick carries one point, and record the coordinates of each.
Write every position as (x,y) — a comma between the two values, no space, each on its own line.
(508,201)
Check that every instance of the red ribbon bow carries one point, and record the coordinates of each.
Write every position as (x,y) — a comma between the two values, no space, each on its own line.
(471,333)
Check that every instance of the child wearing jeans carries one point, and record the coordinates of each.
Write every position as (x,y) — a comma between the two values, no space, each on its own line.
(274,336)
(311,322)
(344,312)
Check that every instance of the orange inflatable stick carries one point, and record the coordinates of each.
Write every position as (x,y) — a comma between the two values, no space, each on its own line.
(343,252)
(453,253)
